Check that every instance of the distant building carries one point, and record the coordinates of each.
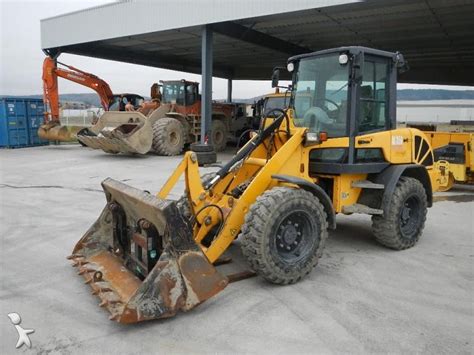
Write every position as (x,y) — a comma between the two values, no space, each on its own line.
(74,105)
(437,111)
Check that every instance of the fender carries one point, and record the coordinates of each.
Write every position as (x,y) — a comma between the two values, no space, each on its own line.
(315,190)
(390,176)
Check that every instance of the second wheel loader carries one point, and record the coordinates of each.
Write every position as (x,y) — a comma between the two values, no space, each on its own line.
(335,150)
(167,129)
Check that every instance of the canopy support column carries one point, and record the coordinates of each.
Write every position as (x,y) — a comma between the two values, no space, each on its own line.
(229,90)
(206,77)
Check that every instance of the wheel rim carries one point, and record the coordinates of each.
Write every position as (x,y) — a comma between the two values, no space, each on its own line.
(295,236)
(218,137)
(173,138)
(410,216)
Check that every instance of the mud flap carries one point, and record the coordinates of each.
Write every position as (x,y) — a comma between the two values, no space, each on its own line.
(140,258)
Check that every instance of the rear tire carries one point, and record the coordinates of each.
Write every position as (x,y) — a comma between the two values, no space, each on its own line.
(219,135)
(206,158)
(168,137)
(201,148)
(401,225)
(284,234)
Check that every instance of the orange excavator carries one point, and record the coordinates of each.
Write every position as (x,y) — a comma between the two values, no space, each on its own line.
(52,129)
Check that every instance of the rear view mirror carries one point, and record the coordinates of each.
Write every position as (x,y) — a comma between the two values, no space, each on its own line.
(275,77)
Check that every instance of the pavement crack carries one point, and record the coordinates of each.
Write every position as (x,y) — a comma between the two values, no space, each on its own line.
(49,187)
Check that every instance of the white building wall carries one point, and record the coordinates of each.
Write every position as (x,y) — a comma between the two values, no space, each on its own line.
(435,111)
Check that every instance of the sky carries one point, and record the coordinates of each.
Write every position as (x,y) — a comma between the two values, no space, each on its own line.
(21,58)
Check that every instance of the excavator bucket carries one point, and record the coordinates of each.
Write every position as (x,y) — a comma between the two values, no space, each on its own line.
(140,258)
(53,131)
(122,132)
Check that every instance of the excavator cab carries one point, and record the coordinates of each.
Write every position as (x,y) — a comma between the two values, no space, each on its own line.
(117,100)
(334,150)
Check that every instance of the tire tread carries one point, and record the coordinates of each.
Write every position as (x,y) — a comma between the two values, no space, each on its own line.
(160,131)
(386,226)
(253,241)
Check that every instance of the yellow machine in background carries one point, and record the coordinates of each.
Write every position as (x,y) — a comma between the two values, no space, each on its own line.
(335,149)
(274,100)
(454,156)
(452,145)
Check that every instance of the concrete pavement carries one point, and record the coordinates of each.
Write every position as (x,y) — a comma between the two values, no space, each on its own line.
(362,298)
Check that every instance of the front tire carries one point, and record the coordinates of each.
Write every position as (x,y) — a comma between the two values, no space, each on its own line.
(168,137)
(402,223)
(284,234)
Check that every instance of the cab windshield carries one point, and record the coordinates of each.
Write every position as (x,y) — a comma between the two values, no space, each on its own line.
(320,94)
(173,92)
(273,102)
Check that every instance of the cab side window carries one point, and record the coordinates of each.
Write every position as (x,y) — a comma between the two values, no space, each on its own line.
(191,94)
(373,108)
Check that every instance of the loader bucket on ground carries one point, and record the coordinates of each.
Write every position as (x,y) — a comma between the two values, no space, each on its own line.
(123,132)
(53,131)
(119,132)
(140,258)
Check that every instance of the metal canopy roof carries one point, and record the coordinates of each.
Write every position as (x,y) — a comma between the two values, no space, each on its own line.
(251,37)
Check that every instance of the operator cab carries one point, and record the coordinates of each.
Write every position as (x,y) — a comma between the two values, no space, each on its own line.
(180,92)
(325,82)
(345,92)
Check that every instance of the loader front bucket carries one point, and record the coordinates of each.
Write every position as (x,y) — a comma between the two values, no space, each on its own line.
(53,131)
(140,258)
(119,132)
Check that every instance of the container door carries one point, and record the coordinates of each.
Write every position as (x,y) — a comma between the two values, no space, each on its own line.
(3,124)
(16,123)
(35,109)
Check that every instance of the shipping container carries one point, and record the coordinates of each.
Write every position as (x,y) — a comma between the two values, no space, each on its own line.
(20,118)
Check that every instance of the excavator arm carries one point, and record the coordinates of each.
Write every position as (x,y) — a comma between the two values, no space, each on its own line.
(52,129)
(51,72)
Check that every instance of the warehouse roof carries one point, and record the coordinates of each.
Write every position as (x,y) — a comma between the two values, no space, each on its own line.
(251,37)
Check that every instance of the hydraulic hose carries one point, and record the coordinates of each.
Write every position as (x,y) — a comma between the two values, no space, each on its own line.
(249,148)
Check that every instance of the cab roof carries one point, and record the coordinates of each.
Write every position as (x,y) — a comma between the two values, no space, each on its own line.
(396,56)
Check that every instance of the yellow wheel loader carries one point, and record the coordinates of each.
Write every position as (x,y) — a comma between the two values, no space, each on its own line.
(336,149)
